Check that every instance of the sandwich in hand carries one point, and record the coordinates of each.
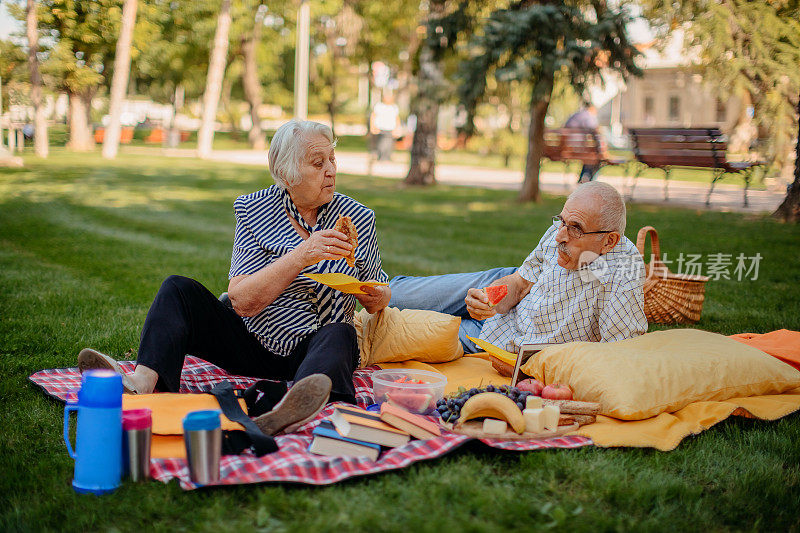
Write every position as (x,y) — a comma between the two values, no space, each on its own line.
(346,226)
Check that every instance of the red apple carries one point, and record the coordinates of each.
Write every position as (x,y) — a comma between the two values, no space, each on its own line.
(531,385)
(557,391)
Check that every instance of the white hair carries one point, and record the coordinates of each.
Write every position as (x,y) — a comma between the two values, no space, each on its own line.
(288,147)
(611,208)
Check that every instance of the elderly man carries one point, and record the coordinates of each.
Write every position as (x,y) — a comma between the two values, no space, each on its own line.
(582,282)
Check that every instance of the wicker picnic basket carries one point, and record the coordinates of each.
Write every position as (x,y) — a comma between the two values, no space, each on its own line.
(669,298)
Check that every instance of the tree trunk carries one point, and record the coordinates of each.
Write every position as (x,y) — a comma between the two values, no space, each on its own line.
(368,110)
(540,101)
(216,71)
(744,131)
(331,105)
(405,76)
(122,69)
(227,108)
(789,210)
(174,135)
(40,142)
(251,85)
(80,124)
(425,106)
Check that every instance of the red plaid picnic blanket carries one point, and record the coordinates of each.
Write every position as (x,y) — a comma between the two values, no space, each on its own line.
(292,463)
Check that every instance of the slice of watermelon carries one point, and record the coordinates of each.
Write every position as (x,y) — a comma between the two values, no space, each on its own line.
(496,293)
(416,402)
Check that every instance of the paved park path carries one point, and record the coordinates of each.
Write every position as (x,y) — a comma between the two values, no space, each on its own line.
(726,197)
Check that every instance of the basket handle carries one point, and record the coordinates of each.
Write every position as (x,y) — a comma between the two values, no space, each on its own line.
(654,245)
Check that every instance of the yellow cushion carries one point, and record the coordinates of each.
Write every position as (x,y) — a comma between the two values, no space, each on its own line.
(393,335)
(662,371)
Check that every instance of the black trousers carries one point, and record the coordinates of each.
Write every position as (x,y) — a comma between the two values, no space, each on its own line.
(186,318)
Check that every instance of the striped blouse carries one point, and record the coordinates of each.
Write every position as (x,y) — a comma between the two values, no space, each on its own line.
(264,234)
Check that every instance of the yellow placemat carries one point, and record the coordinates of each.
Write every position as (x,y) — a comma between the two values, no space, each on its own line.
(169,408)
(343,282)
(167,446)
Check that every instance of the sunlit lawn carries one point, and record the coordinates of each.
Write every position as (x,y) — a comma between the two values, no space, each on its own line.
(487,159)
(84,245)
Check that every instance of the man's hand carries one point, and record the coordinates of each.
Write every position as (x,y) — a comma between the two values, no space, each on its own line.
(478,304)
(375,299)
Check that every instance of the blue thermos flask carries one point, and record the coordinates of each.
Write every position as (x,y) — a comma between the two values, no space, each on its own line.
(98,438)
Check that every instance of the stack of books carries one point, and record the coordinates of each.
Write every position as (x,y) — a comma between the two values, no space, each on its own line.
(352,431)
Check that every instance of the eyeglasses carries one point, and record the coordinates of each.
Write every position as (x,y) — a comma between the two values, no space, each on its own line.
(574,232)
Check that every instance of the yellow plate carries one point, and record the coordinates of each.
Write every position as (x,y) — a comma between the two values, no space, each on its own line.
(503,355)
(343,282)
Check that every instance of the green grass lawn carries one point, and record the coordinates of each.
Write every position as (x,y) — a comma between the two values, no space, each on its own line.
(226,140)
(85,244)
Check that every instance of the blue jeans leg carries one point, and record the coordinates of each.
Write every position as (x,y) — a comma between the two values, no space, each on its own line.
(469,326)
(588,173)
(445,294)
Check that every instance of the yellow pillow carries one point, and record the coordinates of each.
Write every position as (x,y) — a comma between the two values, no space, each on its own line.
(392,335)
(661,371)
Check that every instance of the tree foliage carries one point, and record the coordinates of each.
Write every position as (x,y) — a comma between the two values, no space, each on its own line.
(85,35)
(173,41)
(534,42)
(530,42)
(744,47)
(14,73)
(389,31)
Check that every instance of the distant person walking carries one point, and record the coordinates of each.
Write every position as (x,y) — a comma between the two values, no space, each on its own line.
(586,118)
(384,123)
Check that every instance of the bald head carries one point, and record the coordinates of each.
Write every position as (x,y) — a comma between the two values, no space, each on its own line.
(609,205)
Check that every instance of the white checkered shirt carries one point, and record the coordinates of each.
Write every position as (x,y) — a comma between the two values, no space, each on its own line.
(602,301)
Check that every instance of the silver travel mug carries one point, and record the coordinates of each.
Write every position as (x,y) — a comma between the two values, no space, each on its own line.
(137,426)
(202,436)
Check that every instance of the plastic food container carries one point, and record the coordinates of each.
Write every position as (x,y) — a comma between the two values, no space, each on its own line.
(389,386)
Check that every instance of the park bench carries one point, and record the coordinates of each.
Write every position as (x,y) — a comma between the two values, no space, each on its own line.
(668,148)
(577,144)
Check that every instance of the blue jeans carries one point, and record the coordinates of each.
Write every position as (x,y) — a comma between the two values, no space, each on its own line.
(445,294)
(588,172)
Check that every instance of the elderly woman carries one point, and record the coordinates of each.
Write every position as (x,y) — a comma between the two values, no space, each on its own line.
(282,325)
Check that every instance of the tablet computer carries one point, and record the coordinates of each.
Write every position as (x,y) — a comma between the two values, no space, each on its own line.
(526,351)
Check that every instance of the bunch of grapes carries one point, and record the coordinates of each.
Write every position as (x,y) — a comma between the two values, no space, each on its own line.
(449,407)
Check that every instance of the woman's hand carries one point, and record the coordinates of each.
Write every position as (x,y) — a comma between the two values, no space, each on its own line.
(323,244)
(375,299)
(478,304)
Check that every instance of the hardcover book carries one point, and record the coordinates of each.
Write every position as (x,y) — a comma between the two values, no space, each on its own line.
(359,424)
(419,427)
(327,441)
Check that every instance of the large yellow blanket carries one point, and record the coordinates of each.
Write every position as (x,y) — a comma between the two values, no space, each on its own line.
(663,432)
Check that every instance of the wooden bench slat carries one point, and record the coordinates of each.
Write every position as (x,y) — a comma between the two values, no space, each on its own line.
(714,131)
(681,153)
(663,161)
(575,144)
(666,148)
(719,147)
